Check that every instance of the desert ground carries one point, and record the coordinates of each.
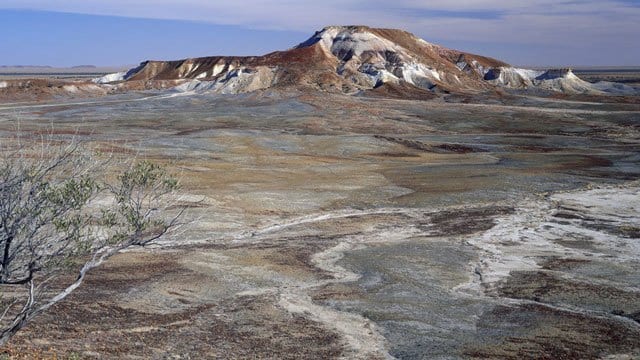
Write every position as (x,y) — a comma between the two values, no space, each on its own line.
(338,226)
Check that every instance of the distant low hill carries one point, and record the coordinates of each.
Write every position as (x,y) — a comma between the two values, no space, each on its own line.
(45,69)
(84,67)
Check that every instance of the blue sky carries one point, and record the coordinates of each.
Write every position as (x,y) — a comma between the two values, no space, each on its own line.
(125,32)
(63,39)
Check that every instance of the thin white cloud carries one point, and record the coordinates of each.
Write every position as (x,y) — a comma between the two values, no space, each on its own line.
(586,24)
(540,15)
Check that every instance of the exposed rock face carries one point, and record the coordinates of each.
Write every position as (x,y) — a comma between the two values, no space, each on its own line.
(372,57)
(562,80)
(353,58)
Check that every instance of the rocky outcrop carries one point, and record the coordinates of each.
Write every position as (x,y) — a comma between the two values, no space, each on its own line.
(350,59)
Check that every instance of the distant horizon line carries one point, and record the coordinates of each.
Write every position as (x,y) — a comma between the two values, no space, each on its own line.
(129,66)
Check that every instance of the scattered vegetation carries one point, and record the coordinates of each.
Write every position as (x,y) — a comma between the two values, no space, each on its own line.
(58,215)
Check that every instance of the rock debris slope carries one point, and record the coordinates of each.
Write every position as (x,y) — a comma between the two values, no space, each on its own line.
(350,59)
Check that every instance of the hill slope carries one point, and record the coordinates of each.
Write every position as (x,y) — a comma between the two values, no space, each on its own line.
(353,58)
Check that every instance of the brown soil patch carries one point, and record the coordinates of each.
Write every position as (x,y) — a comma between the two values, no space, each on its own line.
(541,332)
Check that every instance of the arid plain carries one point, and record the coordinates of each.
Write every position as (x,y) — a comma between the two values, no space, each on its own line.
(326,225)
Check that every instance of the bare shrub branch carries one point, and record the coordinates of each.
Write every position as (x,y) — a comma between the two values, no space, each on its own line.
(55,211)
